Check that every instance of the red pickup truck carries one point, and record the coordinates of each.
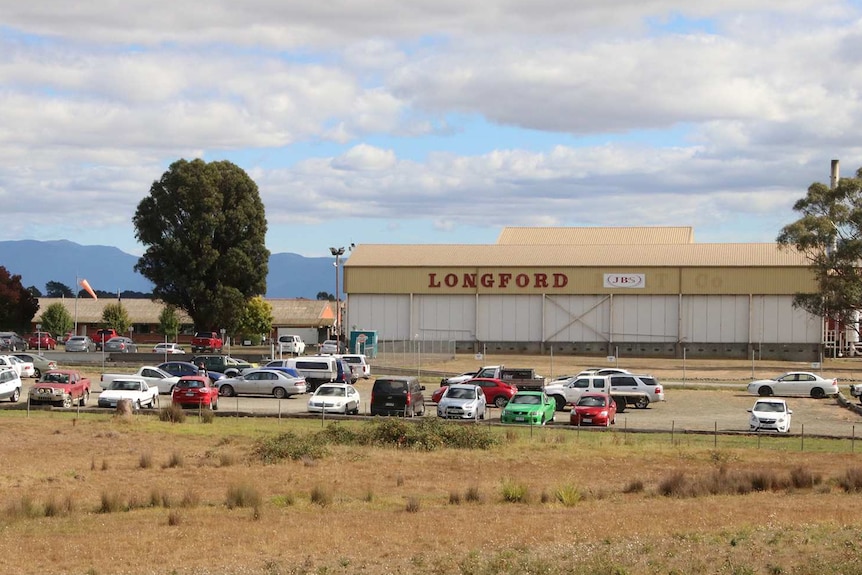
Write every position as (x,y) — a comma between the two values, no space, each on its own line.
(206,341)
(61,387)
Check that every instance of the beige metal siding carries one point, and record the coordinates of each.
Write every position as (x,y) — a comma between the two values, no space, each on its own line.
(555,236)
(765,281)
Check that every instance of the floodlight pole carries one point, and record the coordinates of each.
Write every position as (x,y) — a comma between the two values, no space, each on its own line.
(337,252)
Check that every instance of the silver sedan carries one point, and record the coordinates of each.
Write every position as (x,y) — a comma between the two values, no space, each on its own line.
(121,344)
(262,382)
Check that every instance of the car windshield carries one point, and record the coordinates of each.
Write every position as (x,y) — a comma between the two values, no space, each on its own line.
(461,393)
(591,401)
(769,406)
(56,378)
(527,399)
(126,385)
(333,391)
(389,386)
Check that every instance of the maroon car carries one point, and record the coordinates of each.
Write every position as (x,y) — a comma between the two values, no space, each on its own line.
(61,387)
(594,408)
(195,391)
(497,392)
(42,340)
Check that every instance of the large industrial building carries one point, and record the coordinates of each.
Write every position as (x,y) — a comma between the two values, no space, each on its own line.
(604,291)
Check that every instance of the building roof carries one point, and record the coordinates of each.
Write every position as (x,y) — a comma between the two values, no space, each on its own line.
(285,312)
(556,236)
(594,255)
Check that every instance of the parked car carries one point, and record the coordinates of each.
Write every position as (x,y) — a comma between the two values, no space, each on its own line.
(181,368)
(154,376)
(497,392)
(334,398)
(602,371)
(41,364)
(195,391)
(262,381)
(135,389)
(795,383)
(169,348)
(594,409)
(42,340)
(462,401)
(568,391)
(121,344)
(328,347)
(358,364)
(291,344)
(104,336)
(769,414)
(25,368)
(61,387)
(637,390)
(80,343)
(230,366)
(11,341)
(530,407)
(10,384)
(8,361)
(397,395)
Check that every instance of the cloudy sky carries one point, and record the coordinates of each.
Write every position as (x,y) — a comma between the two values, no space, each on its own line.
(393,121)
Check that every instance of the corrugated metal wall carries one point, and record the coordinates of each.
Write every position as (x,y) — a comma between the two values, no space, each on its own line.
(585,318)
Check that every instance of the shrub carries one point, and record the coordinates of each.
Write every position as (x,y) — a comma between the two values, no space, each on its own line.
(674,485)
(803,478)
(174,518)
(285,500)
(207,416)
(159,498)
(514,491)
(288,445)
(321,496)
(412,505)
(399,481)
(242,495)
(851,480)
(172,413)
(54,508)
(191,498)
(226,459)
(454,498)
(568,495)
(634,486)
(176,460)
(24,507)
(369,496)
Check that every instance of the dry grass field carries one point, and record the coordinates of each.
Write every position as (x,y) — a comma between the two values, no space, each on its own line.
(100,495)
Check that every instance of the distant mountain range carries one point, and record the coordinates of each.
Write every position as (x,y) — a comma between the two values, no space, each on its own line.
(111,269)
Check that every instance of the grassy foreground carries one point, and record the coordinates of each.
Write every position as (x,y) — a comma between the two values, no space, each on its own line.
(99,495)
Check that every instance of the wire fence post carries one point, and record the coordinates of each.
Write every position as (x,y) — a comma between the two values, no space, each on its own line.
(715,435)
(802,438)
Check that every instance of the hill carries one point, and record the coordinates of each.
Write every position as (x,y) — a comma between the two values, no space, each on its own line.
(110,269)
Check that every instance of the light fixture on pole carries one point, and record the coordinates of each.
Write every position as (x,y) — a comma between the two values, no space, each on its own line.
(337,252)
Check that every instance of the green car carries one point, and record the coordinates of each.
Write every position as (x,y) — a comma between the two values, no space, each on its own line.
(530,407)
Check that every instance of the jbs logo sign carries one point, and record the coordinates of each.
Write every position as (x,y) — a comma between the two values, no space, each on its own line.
(630,281)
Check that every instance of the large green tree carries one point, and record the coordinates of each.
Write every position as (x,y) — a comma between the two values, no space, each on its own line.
(256,319)
(58,289)
(17,304)
(204,228)
(116,315)
(829,233)
(57,320)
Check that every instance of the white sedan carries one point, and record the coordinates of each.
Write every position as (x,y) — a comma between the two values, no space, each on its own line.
(168,348)
(27,369)
(769,415)
(334,398)
(795,383)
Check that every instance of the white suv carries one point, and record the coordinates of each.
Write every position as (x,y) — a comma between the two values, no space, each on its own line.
(358,364)
(291,344)
(644,389)
(10,384)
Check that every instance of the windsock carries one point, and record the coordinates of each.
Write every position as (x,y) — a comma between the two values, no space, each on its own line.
(86,285)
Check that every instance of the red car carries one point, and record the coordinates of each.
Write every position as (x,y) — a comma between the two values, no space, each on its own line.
(42,340)
(497,391)
(594,409)
(61,387)
(195,391)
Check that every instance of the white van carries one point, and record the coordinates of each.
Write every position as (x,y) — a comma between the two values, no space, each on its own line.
(358,364)
(317,369)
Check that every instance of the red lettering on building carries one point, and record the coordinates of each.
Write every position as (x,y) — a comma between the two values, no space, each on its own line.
(541,280)
(505,279)
(560,280)
(432,281)
(522,280)
(451,280)
(469,281)
(487,280)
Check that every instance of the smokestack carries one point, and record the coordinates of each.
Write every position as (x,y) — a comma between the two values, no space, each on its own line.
(833,179)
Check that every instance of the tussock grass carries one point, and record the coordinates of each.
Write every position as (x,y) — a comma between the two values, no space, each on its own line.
(175,460)
(145,461)
(454,498)
(321,496)
(207,416)
(160,498)
(513,491)
(172,414)
(191,498)
(412,505)
(242,495)
(22,508)
(473,495)
(111,502)
(568,494)
(283,500)
(58,508)
(174,518)
(634,486)
(226,459)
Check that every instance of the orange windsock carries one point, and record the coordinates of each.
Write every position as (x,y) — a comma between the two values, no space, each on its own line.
(86,285)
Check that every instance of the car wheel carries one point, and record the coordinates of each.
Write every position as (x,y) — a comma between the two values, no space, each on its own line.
(16,394)
(482,415)
(37,373)
(642,402)
(214,403)
(226,391)
(818,393)
(67,401)
(85,397)
(279,393)
(560,401)
(543,420)
(138,405)
(764,391)
(500,401)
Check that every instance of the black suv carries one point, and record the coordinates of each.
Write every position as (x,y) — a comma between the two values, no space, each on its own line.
(397,395)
